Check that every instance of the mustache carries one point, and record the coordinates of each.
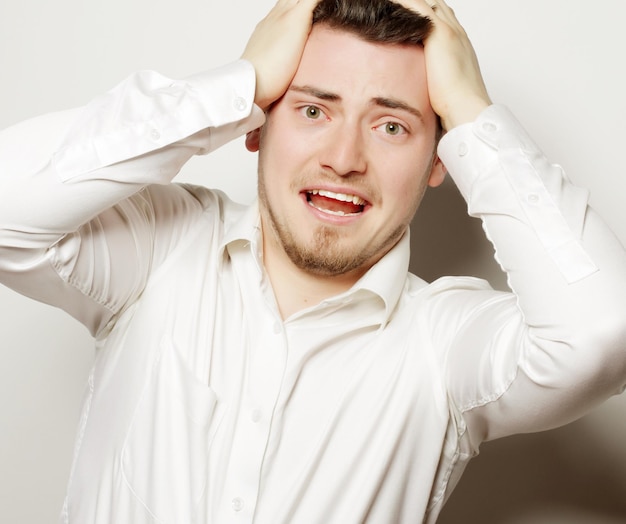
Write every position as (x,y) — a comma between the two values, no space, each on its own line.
(350,183)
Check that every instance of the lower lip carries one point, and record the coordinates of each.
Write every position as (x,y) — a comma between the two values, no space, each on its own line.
(336,220)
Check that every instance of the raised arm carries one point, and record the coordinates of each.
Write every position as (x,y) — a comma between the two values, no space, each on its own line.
(79,205)
(556,347)
(62,241)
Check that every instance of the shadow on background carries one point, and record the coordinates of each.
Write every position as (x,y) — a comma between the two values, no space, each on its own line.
(539,478)
(446,241)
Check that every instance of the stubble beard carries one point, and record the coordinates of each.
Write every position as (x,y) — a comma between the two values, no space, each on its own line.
(327,254)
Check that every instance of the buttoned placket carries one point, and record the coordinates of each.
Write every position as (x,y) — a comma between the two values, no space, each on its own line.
(266,350)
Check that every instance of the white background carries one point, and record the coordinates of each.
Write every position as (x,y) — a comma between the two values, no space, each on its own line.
(559,64)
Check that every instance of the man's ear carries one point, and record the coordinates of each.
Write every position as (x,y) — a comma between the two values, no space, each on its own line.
(252,140)
(437,173)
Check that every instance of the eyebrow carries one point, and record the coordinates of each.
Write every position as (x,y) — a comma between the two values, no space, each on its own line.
(393,103)
(317,93)
(381,101)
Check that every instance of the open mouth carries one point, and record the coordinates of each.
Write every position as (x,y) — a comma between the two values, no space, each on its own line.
(337,204)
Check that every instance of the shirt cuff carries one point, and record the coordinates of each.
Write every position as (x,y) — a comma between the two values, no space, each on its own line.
(468,149)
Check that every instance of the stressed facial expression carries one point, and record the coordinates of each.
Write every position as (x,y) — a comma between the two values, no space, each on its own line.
(346,154)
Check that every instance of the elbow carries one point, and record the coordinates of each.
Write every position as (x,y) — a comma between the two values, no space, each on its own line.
(589,355)
(603,347)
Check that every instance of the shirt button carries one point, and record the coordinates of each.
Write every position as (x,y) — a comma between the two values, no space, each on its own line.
(155,135)
(490,127)
(278,328)
(533,198)
(463,149)
(255,415)
(237,504)
(240,104)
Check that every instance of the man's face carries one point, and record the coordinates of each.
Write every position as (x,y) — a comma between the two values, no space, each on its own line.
(346,154)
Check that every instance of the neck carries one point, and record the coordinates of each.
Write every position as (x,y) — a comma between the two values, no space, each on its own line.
(296,289)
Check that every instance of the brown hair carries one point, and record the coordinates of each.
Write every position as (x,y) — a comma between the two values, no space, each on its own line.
(381,21)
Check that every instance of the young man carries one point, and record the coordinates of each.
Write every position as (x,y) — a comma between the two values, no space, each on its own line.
(277,363)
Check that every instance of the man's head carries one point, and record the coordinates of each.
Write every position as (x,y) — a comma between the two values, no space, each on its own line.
(347,152)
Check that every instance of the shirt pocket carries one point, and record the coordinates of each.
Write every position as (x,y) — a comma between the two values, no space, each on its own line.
(165,454)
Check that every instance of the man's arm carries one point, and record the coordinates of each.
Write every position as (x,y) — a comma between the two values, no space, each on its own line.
(556,347)
(70,181)
(61,239)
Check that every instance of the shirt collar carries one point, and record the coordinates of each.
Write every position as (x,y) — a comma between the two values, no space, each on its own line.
(386,279)
(244,228)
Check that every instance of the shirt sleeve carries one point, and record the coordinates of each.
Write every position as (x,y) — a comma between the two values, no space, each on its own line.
(545,354)
(79,189)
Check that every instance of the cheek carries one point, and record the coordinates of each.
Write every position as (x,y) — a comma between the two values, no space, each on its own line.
(405,193)
(408,183)
(277,147)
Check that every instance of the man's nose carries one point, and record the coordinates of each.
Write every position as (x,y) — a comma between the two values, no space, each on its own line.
(343,150)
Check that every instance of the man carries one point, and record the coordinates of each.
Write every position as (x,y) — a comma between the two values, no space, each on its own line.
(276,363)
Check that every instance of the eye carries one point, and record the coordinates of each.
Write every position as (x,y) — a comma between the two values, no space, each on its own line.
(392,128)
(312,112)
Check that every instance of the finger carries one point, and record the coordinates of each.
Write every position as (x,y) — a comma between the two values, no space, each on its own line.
(443,10)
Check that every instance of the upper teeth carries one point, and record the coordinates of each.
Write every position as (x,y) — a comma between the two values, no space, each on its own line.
(339,196)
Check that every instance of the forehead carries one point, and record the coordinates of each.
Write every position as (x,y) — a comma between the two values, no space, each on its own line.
(339,61)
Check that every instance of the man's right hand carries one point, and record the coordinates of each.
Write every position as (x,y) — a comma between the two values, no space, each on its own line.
(275,47)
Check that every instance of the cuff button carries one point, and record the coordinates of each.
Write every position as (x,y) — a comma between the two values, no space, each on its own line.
(240,104)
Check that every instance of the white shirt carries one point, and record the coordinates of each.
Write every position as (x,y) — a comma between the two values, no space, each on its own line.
(204,406)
